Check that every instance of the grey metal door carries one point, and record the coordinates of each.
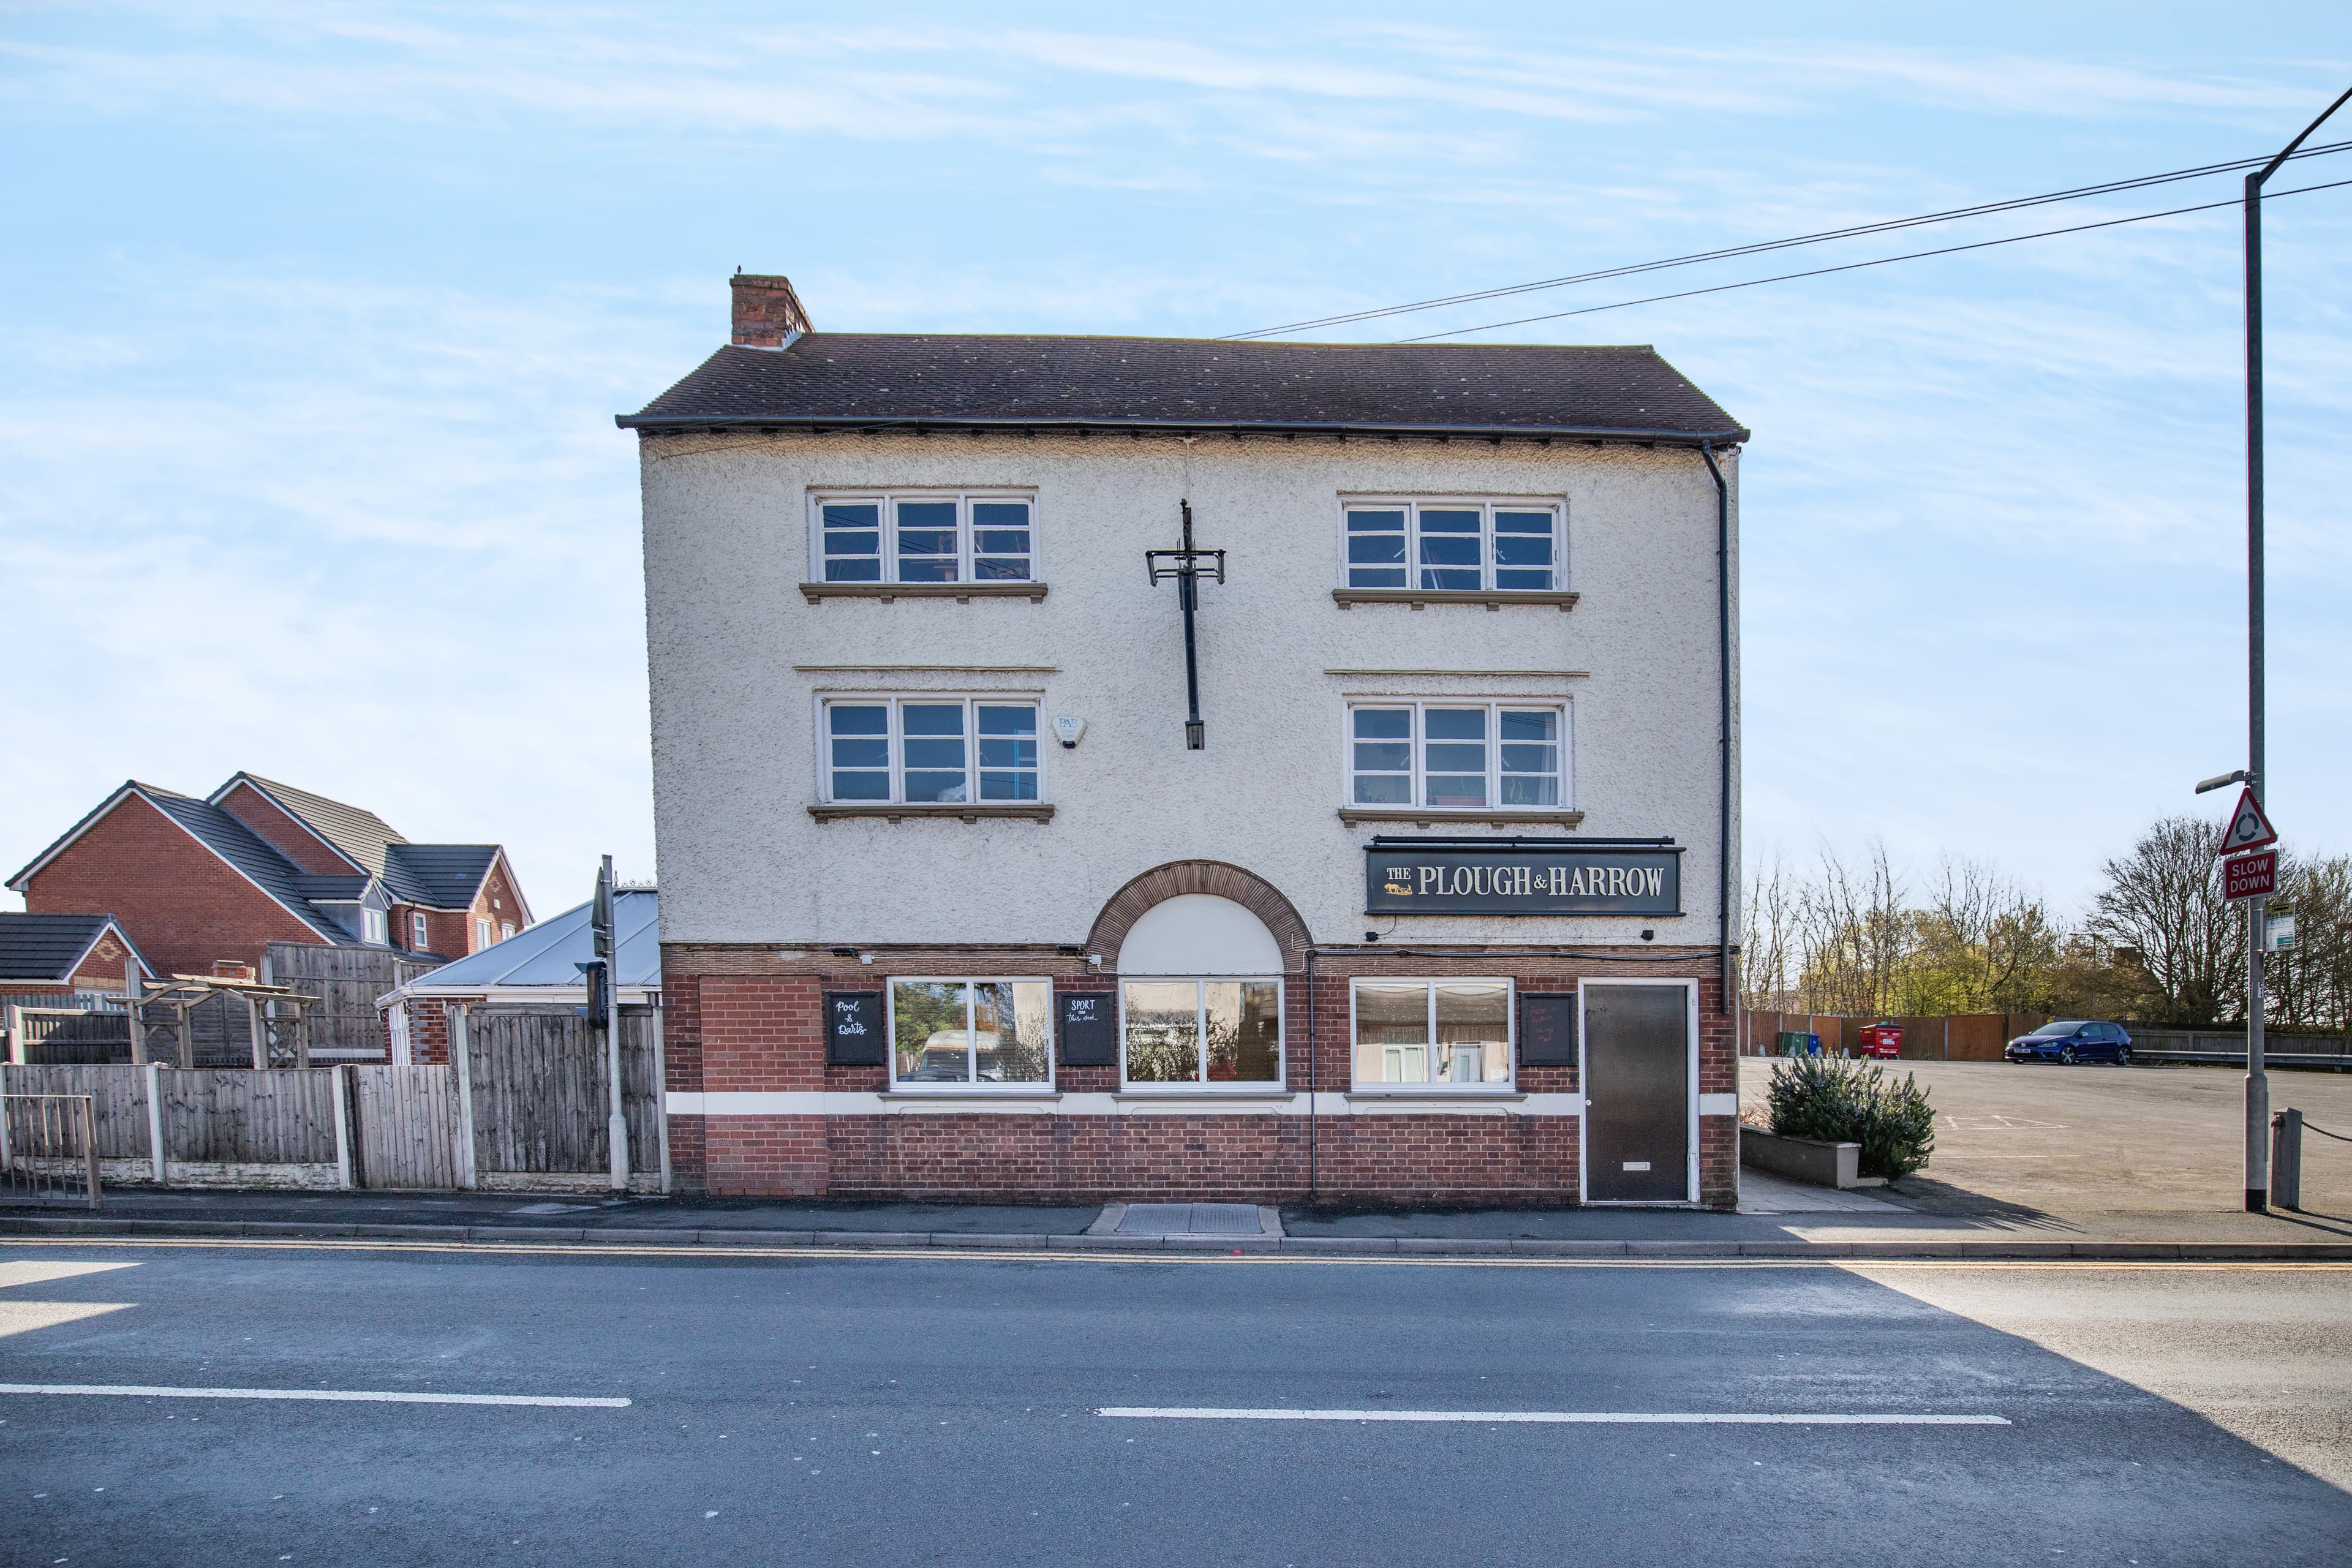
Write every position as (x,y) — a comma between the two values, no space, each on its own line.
(1637,1093)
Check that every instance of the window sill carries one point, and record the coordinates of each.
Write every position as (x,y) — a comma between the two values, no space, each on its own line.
(1436,1092)
(970,1091)
(1493,599)
(1029,812)
(1271,1094)
(1352,815)
(962,593)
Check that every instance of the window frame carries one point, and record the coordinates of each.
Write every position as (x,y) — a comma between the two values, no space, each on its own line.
(893,1084)
(1413,505)
(1429,985)
(485,933)
(1278,1084)
(420,932)
(1417,742)
(895,744)
(886,500)
(376,927)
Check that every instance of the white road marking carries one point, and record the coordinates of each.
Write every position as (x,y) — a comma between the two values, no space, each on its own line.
(1554,1417)
(338,1396)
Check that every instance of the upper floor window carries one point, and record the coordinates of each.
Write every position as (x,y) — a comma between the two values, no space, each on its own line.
(1458,756)
(418,939)
(505,930)
(931,536)
(923,750)
(372,926)
(1466,545)
(481,932)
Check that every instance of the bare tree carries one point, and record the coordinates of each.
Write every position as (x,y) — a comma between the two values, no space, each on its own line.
(1854,934)
(1985,945)
(2310,986)
(1770,926)
(2163,900)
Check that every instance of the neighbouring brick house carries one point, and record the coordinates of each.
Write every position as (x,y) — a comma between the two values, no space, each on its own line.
(961,897)
(193,882)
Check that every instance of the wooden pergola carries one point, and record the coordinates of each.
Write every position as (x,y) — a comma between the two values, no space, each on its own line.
(278,1017)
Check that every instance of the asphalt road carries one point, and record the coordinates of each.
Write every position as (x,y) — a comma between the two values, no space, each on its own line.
(840,1410)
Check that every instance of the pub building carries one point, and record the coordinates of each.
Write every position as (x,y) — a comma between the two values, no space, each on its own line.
(1093,768)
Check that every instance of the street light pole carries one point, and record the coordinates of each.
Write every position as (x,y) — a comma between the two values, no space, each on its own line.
(2258,1088)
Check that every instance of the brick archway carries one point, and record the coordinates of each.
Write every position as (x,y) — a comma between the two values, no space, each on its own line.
(1253,892)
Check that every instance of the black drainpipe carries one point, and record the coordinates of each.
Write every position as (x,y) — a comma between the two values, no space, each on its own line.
(1311,1102)
(1728,888)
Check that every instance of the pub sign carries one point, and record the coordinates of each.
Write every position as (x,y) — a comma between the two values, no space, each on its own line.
(1403,880)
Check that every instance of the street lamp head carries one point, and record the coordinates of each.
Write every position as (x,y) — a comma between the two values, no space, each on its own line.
(2220,781)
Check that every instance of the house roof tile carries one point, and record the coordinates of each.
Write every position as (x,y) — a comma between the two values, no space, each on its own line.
(878,378)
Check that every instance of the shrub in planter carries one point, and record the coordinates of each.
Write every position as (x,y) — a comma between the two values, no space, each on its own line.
(1854,1103)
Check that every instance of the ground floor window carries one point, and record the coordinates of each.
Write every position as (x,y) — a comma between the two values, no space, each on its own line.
(980,1032)
(1448,1034)
(1198,1031)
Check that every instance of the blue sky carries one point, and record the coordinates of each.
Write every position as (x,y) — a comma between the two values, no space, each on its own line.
(316,317)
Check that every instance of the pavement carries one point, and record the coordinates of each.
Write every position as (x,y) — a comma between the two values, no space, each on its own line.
(823,1408)
(2030,1162)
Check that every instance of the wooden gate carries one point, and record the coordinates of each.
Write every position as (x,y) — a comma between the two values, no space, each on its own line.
(410,1127)
(541,1094)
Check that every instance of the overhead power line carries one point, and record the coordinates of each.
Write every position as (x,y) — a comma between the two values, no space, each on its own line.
(1884,226)
(1857,265)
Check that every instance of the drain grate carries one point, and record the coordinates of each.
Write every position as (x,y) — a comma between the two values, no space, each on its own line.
(1190,1219)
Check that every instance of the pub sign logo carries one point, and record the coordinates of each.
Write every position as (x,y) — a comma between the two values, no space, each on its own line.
(1402,880)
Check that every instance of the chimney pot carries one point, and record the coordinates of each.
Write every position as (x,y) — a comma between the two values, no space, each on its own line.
(767,311)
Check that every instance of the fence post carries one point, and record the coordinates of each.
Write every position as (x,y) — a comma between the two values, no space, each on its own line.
(661,1089)
(155,1118)
(90,1142)
(252,1033)
(130,995)
(461,1062)
(343,1131)
(187,1039)
(2286,1159)
(15,1033)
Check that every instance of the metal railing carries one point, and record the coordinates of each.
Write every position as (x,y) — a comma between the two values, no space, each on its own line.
(48,1149)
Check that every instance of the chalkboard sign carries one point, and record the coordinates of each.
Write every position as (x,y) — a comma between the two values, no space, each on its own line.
(1547,1029)
(853,1029)
(1085,1033)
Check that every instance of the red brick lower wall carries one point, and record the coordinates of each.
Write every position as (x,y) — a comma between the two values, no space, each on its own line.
(747,1019)
(1094,1159)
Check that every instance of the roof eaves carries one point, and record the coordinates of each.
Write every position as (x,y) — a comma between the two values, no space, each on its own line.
(660,423)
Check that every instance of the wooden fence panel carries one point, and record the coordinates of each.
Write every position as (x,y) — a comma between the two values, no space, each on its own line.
(409,1127)
(281,1116)
(345,1025)
(541,1094)
(118,1098)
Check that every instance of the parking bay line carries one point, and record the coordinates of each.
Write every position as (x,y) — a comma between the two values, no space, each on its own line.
(333,1395)
(1555,1417)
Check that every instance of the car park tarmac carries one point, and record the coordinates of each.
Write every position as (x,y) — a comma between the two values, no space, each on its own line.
(2105,1139)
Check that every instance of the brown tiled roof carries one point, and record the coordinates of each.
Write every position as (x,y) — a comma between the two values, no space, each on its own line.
(875,379)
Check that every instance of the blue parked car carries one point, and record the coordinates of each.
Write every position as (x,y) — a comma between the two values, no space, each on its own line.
(2072,1040)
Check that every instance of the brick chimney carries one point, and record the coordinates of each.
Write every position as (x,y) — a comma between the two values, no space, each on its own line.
(233,969)
(767,311)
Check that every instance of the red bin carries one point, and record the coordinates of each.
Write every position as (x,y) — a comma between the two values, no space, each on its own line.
(1881,1040)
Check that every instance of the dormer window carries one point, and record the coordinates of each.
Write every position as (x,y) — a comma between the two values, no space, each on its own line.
(373,928)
